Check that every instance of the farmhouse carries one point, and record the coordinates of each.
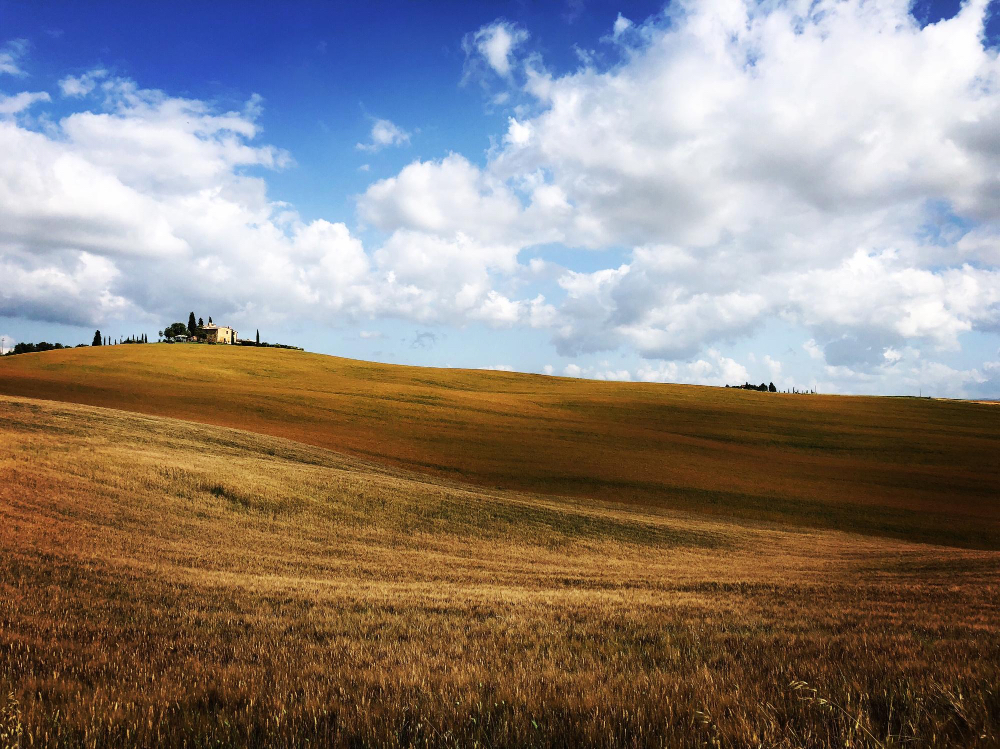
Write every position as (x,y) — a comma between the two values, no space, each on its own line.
(218,333)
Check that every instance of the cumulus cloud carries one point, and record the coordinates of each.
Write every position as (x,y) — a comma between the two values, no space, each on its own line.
(907,372)
(11,105)
(83,84)
(121,212)
(493,44)
(764,161)
(385,133)
(712,369)
(621,25)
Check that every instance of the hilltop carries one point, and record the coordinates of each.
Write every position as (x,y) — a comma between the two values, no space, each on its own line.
(907,468)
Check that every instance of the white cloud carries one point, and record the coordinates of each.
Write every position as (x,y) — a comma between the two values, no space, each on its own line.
(499,368)
(497,310)
(385,133)
(447,197)
(370,335)
(494,43)
(737,149)
(10,57)
(11,105)
(518,134)
(814,351)
(123,212)
(712,369)
(736,152)
(622,24)
(82,85)
(906,372)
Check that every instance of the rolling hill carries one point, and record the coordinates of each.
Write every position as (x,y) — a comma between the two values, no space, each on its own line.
(164,583)
(908,468)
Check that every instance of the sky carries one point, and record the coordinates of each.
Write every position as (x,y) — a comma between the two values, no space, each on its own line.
(712,191)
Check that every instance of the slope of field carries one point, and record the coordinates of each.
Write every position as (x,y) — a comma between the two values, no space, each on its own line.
(169,584)
(908,468)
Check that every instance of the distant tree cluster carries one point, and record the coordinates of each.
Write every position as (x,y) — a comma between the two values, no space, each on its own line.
(33,348)
(100,340)
(770,388)
(242,342)
(175,329)
(761,388)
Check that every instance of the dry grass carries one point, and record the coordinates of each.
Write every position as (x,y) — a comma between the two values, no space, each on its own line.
(898,467)
(163,583)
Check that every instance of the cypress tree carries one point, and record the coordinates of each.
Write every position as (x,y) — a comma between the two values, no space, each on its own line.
(97,338)
(192,324)
(258,337)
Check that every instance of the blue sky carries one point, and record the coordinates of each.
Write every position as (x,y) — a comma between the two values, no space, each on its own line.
(702,192)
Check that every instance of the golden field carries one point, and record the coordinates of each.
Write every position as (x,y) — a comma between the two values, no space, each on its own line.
(906,468)
(270,548)
(170,584)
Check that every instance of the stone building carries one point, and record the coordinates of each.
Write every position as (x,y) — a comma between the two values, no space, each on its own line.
(218,334)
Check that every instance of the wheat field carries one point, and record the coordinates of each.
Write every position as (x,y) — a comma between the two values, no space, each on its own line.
(907,468)
(164,583)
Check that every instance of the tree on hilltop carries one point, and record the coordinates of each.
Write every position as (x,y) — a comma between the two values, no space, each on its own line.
(201,322)
(98,341)
(175,329)
(192,325)
(258,337)
(771,388)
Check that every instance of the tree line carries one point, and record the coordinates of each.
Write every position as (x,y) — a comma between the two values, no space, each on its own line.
(100,340)
(761,388)
(770,388)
